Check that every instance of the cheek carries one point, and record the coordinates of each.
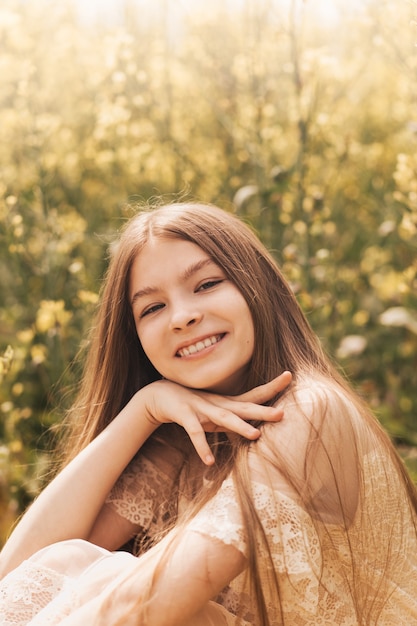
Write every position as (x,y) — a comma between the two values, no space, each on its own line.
(147,342)
(250,341)
(248,326)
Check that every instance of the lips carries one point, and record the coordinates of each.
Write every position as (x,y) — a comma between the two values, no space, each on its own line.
(196,347)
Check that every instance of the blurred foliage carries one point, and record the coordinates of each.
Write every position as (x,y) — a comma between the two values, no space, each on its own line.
(304,124)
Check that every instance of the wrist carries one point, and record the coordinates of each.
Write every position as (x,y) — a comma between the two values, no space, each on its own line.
(144,406)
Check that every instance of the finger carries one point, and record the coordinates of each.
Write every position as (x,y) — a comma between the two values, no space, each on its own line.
(236,409)
(267,391)
(198,438)
(237,425)
(218,417)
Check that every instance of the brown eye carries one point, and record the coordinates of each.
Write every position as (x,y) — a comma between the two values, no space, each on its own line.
(209,284)
(151,309)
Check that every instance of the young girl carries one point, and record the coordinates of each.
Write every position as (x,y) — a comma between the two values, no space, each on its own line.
(308,519)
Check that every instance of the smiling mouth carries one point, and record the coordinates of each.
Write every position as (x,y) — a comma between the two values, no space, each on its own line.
(199,345)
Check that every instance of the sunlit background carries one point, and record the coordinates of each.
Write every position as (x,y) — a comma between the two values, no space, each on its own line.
(299,116)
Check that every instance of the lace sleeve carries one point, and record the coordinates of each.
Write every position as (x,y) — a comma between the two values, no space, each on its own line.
(289,532)
(146,493)
(286,525)
(221,518)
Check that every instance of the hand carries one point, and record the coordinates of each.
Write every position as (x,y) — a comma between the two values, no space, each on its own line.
(199,412)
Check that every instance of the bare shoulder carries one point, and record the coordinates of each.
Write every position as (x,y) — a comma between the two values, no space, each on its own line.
(317,412)
(313,401)
(315,444)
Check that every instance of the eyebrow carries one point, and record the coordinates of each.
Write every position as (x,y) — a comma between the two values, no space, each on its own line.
(185,275)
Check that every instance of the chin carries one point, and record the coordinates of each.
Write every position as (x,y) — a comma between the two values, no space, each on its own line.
(223,388)
(230,385)
(215,387)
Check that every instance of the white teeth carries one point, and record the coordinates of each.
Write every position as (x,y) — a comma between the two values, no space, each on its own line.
(200,345)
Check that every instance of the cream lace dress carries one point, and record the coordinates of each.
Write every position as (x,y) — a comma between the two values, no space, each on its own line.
(320,564)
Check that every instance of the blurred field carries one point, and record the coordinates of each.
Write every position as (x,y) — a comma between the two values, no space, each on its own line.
(301,119)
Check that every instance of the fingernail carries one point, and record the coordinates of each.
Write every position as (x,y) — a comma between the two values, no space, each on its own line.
(209,459)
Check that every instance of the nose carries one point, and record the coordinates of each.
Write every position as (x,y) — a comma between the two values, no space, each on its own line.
(183,317)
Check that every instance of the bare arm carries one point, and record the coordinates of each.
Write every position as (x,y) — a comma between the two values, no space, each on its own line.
(183,580)
(70,504)
(197,570)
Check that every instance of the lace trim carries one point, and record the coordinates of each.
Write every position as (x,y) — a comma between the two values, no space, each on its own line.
(27,590)
(143,495)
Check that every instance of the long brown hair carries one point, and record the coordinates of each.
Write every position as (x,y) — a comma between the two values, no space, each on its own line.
(116,365)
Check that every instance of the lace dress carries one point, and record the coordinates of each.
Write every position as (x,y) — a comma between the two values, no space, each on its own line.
(329,573)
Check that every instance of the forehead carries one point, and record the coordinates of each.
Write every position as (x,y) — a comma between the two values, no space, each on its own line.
(162,259)
(162,249)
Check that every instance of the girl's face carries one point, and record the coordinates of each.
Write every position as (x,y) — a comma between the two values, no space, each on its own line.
(193,323)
